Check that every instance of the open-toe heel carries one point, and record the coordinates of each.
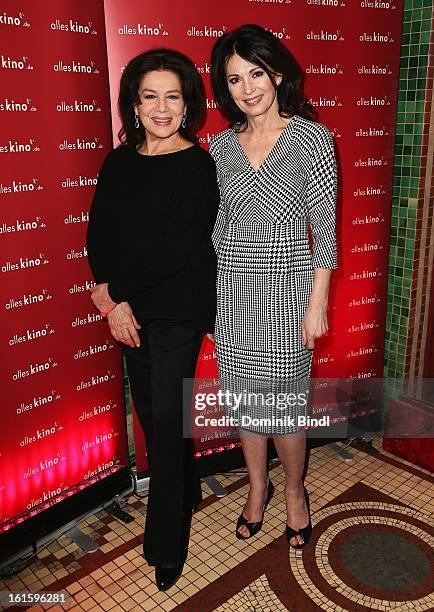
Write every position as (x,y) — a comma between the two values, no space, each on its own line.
(304,532)
(253,528)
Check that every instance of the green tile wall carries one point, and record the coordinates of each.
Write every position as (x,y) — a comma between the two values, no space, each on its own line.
(416,36)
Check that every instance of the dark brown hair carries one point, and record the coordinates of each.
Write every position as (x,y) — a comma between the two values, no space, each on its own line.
(191,85)
(260,47)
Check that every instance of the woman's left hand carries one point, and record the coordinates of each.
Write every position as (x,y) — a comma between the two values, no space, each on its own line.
(102,299)
(314,324)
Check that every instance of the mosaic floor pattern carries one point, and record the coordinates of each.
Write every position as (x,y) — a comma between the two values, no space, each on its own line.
(371,548)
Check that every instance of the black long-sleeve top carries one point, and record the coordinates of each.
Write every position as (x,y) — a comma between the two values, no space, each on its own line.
(149,233)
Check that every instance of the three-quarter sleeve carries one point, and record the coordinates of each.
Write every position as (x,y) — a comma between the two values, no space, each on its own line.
(100,239)
(219,227)
(321,198)
(193,213)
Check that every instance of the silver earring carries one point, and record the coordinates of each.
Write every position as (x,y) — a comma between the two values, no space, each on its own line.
(136,122)
(183,122)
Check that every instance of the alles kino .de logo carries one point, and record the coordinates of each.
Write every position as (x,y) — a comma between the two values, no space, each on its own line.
(73,26)
(20,225)
(28,299)
(142,29)
(25,263)
(32,334)
(41,434)
(44,464)
(76,67)
(10,63)
(20,187)
(78,106)
(15,146)
(34,368)
(14,20)
(14,106)
(38,401)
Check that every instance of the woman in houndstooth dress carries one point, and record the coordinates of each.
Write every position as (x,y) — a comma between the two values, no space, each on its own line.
(277,175)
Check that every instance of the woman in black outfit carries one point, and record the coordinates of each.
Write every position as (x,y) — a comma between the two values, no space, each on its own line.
(150,250)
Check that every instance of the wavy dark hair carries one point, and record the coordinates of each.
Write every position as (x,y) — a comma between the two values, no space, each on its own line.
(192,91)
(260,47)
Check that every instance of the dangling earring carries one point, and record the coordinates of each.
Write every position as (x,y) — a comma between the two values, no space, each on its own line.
(136,122)
(183,122)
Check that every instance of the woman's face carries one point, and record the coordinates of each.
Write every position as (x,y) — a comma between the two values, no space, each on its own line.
(250,86)
(162,106)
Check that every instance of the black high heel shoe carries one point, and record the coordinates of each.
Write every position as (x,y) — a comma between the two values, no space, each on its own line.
(253,528)
(167,575)
(304,532)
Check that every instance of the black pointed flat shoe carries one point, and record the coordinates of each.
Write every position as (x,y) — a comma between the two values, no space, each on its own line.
(253,528)
(304,532)
(166,576)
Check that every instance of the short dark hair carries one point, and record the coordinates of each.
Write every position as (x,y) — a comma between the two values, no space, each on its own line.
(258,46)
(192,91)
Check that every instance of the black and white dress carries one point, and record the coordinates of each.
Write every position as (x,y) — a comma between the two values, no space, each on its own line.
(265,265)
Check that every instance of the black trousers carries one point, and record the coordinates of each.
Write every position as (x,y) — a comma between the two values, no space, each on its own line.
(168,353)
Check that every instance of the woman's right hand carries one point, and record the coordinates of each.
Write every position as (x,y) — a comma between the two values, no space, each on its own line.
(123,325)
(210,337)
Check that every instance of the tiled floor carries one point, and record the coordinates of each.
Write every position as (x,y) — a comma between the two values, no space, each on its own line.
(371,548)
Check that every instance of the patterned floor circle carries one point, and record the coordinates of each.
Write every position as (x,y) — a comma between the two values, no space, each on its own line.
(384,560)
(373,555)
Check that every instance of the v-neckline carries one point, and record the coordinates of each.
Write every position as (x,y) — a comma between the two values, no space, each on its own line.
(273,148)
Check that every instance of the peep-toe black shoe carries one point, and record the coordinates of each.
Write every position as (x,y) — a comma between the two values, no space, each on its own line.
(253,528)
(304,532)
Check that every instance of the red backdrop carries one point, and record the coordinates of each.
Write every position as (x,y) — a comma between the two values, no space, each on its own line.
(350,54)
(63,418)
(62,382)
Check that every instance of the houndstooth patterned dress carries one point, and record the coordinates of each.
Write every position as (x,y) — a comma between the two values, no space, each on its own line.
(265,266)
